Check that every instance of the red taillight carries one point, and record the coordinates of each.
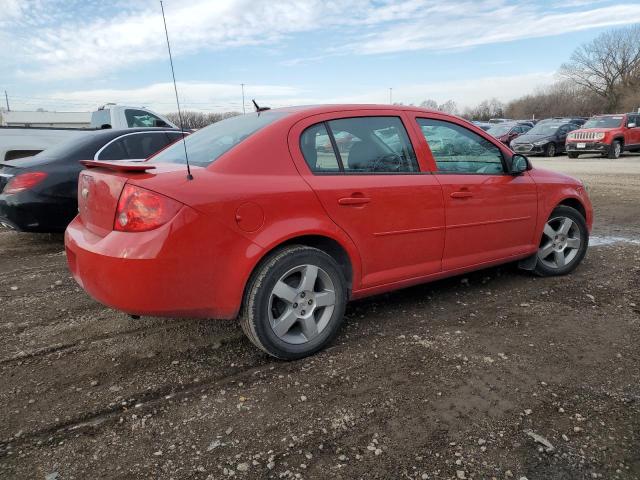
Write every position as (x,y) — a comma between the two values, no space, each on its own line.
(140,210)
(23,182)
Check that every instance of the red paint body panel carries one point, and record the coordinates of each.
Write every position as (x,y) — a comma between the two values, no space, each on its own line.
(396,229)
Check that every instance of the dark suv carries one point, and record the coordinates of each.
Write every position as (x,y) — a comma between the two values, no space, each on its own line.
(546,139)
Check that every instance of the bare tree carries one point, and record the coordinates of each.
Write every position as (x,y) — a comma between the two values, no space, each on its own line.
(195,120)
(430,104)
(609,66)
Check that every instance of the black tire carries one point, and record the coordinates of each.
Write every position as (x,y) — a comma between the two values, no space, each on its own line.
(571,213)
(550,150)
(255,316)
(615,150)
(573,155)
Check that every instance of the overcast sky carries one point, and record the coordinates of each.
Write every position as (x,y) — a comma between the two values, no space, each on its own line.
(78,54)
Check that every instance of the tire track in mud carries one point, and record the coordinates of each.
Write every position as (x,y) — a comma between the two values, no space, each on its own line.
(142,402)
(85,343)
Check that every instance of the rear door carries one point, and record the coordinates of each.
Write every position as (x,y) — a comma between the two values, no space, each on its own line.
(490,215)
(364,170)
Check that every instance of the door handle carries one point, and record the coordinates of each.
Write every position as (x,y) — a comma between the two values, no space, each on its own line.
(349,201)
(462,194)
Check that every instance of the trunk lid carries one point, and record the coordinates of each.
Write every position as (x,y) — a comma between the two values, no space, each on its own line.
(101,183)
(98,194)
(6,174)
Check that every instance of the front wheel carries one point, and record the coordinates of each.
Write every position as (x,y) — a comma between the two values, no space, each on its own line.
(564,242)
(295,302)
(615,150)
(550,151)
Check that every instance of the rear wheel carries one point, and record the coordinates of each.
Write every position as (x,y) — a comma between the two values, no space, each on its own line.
(550,150)
(616,149)
(295,302)
(564,242)
(572,155)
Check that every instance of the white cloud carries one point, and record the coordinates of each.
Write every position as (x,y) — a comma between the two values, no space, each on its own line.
(475,24)
(48,41)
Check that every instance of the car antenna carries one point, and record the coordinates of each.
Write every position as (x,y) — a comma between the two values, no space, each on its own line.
(259,108)
(175,88)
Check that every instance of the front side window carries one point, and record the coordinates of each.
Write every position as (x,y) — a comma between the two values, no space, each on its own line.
(359,145)
(458,150)
(141,118)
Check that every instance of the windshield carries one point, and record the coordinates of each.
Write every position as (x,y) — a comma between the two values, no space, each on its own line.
(499,130)
(544,129)
(604,122)
(207,145)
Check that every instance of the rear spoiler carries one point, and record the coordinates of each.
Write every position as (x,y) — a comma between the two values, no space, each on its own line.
(119,166)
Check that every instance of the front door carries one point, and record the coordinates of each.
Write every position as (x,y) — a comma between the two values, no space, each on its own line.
(365,173)
(490,214)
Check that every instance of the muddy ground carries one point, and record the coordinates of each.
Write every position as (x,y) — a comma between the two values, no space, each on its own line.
(494,374)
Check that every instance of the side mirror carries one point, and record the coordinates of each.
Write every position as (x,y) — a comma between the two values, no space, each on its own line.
(631,125)
(519,164)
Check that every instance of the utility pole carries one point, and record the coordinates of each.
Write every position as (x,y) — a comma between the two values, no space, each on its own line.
(390,96)
(242,85)
(6,97)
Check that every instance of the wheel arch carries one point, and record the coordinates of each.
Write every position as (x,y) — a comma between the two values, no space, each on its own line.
(574,203)
(344,254)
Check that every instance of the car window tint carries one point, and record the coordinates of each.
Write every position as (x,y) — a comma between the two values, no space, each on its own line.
(317,149)
(373,145)
(114,151)
(143,145)
(458,150)
(140,118)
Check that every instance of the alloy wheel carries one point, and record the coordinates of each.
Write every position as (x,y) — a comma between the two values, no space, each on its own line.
(617,149)
(560,244)
(301,304)
(551,150)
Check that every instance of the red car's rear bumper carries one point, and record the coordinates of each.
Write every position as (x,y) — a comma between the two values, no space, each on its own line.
(159,272)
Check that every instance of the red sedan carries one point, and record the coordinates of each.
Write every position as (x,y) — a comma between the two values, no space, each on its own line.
(277,230)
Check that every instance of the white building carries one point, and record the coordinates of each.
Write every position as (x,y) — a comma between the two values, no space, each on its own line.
(45,119)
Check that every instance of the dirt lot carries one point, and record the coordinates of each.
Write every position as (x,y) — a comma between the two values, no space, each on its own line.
(454,379)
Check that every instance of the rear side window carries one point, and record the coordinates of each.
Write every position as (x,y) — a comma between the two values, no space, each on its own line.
(317,149)
(208,144)
(458,150)
(359,145)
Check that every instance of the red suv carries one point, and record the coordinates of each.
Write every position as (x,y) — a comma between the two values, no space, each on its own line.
(281,231)
(608,135)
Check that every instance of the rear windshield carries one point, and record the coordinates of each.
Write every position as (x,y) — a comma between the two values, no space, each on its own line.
(499,130)
(604,122)
(68,149)
(207,145)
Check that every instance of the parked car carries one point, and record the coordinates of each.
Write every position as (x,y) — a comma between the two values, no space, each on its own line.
(483,125)
(507,132)
(575,120)
(282,233)
(608,135)
(40,193)
(20,142)
(546,138)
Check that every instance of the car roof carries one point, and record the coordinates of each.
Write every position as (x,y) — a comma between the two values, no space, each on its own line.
(110,133)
